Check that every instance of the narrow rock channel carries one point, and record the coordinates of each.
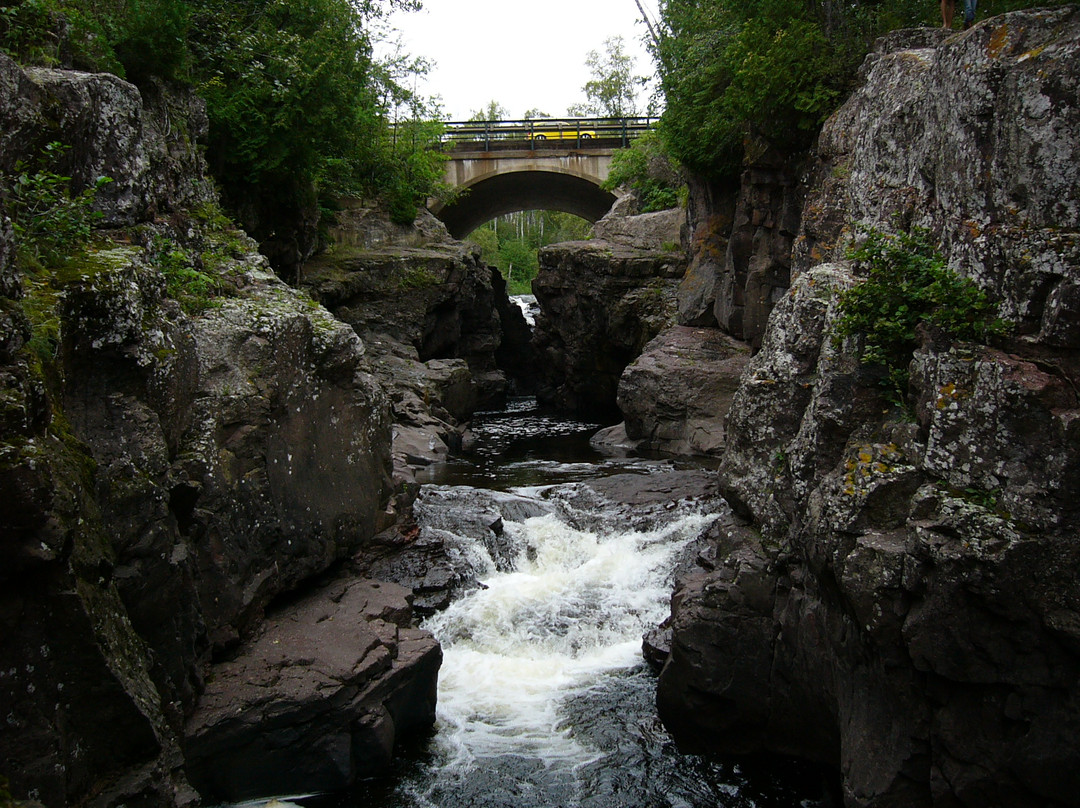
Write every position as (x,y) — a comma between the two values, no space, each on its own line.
(544,697)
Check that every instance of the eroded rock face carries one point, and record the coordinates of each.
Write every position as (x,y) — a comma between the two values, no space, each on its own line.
(600,304)
(902,601)
(740,247)
(974,140)
(442,337)
(146,144)
(166,472)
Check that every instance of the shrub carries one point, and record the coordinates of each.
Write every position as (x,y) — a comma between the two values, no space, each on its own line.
(190,287)
(647,169)
(908,284)
(48,220)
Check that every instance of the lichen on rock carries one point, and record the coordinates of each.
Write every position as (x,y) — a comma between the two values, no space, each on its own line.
(901,603)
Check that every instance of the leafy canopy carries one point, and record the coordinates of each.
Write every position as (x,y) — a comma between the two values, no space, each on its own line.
(297,103)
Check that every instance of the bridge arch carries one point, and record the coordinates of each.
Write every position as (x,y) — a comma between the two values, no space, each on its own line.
(538,164)
(530,188)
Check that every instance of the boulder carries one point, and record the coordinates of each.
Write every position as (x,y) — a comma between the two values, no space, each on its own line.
(439,299)
(318,699)
(676,395)
(971,140)
(660,230)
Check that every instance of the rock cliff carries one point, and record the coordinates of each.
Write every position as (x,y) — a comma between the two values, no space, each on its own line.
(185,439)
(902,601)
(601,302)
(442,336)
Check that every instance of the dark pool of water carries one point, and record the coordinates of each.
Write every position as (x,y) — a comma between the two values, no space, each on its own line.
(528,445)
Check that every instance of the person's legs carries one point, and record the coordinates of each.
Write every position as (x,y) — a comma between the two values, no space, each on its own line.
(969,12)
(948,9)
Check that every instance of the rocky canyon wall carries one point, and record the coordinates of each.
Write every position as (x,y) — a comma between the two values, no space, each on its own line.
(185,439)
(601,302)
(901,601)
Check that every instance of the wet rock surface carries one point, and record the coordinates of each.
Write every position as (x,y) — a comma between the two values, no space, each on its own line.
(318,699)
(436,555)
(900,601)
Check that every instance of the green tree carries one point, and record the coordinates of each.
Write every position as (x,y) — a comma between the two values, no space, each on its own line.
(612,90)
(494,111)
(511,243)
(763,69)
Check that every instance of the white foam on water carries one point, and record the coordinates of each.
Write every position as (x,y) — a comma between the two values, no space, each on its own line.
(576,607)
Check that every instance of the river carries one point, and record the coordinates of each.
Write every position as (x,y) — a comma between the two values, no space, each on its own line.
(544,698)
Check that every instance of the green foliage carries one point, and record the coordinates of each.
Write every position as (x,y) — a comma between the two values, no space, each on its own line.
(416,277)
(49,221)
(637,167)
(766,69)
(298,106)
(511,243)
(57,33)
(908,285)
(53,227)
(192,288)
(297,102)
(151,40)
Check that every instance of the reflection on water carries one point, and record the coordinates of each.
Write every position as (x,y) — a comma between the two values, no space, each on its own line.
(527,445)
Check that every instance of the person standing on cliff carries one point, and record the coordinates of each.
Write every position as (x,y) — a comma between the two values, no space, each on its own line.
(948,9)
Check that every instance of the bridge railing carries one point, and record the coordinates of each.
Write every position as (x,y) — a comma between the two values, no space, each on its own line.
(544,133)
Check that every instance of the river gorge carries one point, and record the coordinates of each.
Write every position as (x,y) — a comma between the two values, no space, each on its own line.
(264,539)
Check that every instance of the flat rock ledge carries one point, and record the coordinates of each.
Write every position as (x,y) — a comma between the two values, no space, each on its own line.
(318,699)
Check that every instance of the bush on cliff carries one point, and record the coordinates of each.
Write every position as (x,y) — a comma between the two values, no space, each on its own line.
(908,285)
(647,169)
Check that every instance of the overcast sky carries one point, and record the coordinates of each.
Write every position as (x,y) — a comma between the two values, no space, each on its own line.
(525,54)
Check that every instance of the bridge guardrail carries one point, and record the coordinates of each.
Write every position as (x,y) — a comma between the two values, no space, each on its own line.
(544,133)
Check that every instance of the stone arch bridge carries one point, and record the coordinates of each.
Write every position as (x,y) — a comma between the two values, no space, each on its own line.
(507,166)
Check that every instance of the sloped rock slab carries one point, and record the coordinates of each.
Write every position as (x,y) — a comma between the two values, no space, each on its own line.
(318,699)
